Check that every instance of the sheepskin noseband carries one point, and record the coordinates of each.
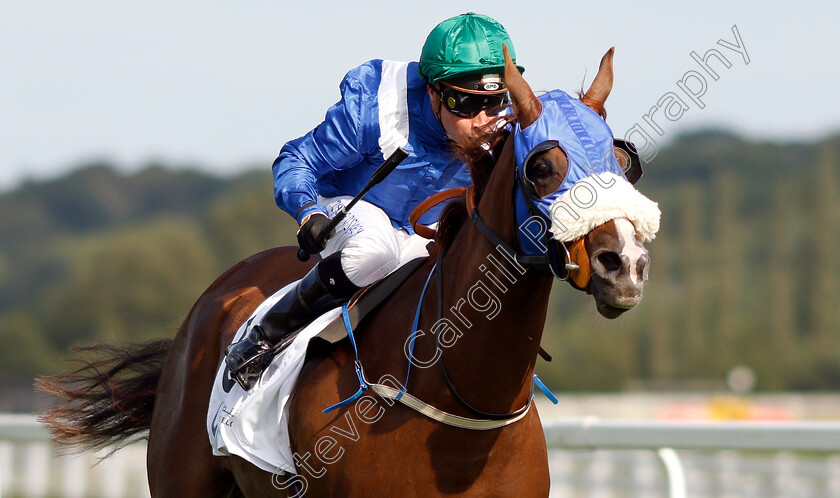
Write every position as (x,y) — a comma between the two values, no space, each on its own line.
(597,199)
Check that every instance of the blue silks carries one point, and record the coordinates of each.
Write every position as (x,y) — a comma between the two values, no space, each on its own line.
(383,104)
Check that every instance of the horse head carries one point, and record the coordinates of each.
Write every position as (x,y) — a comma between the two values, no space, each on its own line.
(574,201)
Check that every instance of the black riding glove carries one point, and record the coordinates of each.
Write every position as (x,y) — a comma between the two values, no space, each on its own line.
(311,236)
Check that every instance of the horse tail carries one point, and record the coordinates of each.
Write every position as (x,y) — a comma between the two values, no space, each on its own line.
(109,400)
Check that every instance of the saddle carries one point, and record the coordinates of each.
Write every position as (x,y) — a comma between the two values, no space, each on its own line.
(368,299)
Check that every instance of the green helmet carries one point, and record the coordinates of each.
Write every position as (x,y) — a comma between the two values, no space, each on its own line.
(467,44)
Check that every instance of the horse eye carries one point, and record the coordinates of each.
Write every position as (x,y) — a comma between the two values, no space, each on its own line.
(539,169)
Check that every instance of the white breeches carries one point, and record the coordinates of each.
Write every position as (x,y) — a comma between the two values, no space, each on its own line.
(370,246)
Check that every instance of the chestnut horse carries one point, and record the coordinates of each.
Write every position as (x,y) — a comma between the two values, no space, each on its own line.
(484,325)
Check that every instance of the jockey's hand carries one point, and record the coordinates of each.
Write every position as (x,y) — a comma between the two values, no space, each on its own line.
(311,236)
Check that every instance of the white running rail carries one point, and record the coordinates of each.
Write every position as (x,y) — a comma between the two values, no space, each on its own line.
(580,449)
(592,433)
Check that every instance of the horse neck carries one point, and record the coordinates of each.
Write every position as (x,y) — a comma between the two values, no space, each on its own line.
(499,305)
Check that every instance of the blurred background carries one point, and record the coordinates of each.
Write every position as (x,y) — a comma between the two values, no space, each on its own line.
(136,143)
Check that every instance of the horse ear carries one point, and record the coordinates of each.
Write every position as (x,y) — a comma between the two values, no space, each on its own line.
(601,85)
(525,103)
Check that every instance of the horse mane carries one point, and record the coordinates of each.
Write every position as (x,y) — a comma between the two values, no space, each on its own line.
(480,154)
(481,151)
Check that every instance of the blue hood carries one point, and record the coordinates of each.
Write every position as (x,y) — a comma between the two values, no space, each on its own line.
(586,139)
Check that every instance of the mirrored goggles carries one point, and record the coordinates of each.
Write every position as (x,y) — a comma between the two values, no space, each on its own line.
(469,105)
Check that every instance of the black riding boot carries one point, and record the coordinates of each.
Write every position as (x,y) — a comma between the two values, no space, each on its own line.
(323,288)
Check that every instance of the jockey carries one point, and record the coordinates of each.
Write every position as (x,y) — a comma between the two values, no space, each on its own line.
(426,108)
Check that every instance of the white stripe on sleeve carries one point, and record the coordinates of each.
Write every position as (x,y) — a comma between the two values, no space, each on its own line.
(393,107)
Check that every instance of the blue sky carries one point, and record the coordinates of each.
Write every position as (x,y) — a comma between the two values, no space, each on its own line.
(224,84)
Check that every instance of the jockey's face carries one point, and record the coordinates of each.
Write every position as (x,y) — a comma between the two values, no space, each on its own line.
(459,129)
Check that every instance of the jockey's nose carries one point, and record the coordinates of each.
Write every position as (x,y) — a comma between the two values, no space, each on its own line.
(481,119)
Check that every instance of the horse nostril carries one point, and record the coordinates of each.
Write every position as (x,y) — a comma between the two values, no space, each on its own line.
(641,266)
(610,260)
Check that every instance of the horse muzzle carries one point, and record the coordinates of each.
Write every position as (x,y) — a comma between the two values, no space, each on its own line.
(617,280)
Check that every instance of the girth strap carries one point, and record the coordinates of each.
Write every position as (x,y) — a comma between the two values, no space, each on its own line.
(442,416)
(414,403)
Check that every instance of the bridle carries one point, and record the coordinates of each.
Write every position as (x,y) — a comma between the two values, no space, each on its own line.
(576,270)
(542,263)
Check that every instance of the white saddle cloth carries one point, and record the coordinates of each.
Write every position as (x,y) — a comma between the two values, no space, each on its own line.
(254,424)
